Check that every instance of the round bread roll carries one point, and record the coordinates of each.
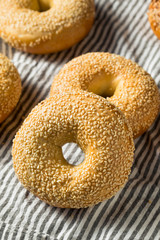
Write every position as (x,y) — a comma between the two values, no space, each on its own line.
(154,16)
(97,126)
(122,81)
(45,26)
(10,87)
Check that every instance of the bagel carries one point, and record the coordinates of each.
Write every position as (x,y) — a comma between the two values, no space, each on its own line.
(10,87)
(122,81)
(45,26)
(154,16)
(97,126)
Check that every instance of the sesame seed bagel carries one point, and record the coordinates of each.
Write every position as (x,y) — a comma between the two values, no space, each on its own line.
(10,87)
(97,126)
(45,26)
(154,16)
(122,81)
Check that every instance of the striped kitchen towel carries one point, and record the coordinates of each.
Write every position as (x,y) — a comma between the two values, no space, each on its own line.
(121,27)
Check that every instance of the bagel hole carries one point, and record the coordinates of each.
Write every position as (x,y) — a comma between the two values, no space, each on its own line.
(104,85)
(41,5)
(73,154)
(44,8)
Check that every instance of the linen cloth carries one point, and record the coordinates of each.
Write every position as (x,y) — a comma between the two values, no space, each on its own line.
(121,27)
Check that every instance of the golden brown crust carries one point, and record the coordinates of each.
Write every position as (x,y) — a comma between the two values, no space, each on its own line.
(10,87)
(60,27)
(131,88)
(154,16)
(99,128)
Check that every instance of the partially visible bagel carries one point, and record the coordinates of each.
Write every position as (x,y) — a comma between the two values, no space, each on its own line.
(45,26)
(10,87)
(154,16)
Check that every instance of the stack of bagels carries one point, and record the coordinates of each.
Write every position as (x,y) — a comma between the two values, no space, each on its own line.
(104,128)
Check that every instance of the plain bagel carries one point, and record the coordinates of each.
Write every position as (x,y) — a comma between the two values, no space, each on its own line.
(45,26)
(10,87)
(102,132)
(122,81)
